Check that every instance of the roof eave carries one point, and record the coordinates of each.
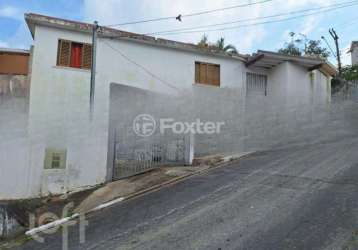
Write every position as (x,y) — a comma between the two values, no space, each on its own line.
(33,19)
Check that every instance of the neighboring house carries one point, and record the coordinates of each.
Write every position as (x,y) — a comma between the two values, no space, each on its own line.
(14,68)
(14,114)
(68,150)
(354,52)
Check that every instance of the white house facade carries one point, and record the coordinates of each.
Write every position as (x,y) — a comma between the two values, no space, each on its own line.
(354,52)
(68,149)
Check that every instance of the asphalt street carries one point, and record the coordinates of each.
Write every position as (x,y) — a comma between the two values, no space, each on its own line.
(293,198)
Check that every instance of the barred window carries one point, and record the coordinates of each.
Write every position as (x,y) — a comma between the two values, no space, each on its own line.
(73,54)
(256,84)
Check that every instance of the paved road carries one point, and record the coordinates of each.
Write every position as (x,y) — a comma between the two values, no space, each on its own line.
(293,198)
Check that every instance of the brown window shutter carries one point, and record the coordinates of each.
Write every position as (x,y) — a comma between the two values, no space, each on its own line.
(197,72)
(216,77)
(87,56)
(206,73)
(211,74)
(203,73)
(64,53)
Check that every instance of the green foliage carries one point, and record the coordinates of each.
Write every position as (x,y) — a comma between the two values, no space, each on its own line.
(307,47)
(350,73)
(203,43)
(218,46)
(314,49)
(290,49)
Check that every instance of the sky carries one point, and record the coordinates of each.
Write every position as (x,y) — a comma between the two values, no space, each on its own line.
(15,34)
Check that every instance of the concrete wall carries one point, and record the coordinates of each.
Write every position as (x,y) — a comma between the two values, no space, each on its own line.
(13,136)
(354,56)
(251,122)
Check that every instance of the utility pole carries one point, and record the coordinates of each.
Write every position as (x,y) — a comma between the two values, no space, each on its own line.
(93,67)
(335,37)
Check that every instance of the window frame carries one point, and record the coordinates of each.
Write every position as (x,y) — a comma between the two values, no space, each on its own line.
(68,64)
(55,159)
(254,74)
(197,75)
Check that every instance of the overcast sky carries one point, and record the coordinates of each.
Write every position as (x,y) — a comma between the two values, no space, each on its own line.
(14,32)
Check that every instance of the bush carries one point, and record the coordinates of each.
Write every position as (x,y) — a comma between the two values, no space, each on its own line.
(350,73)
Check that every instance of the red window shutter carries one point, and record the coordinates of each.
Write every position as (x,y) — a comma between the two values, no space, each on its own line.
(76,55)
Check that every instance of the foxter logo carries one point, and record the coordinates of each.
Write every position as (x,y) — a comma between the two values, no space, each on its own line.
(144,125)
(197,127)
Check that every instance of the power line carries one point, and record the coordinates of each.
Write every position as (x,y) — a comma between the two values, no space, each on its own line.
(251,19)
(140,66)
(258,23)
(179,17)
(347,24)
(329,46)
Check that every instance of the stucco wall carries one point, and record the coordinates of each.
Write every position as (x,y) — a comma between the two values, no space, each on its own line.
(263,123)
(355,56)
(13,136)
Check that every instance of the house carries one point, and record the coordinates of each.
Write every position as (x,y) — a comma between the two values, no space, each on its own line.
(14,68)
(69,149)
(354,52)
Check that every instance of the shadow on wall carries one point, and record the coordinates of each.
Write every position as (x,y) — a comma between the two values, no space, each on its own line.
(14,86)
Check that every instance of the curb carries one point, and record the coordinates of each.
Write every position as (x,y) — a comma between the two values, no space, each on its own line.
(226,159)
(50,225)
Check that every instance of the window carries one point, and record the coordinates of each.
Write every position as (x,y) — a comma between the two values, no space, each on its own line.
(73,54)
(55,159)
(256,84)
(206,73)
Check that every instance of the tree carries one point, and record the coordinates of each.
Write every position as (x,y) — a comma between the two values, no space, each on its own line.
(311,47)
(290,49)
(204,42)
(314,49)
(350,73)
(220,45)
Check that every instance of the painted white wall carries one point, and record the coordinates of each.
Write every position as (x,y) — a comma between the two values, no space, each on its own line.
(355,56)
(13,147)
(59,101)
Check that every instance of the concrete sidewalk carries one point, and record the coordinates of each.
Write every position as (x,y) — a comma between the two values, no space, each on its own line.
(104,196)
(149,181)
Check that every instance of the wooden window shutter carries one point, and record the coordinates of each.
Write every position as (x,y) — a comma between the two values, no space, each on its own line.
(87,56)
(64,53)
(197,72)
(203,73)
(216,76)
(211,74)
(206,73)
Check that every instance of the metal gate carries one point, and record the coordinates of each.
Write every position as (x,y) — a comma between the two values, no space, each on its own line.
(132,157)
